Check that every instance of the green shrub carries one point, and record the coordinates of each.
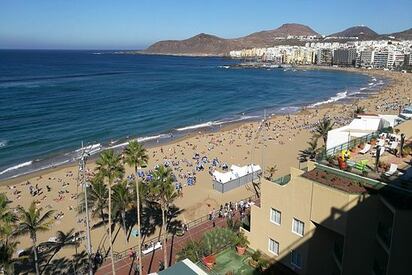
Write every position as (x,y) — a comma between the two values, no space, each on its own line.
(192,250)
(233,224)
(217,239)
(256,255)
(241,240)
(263,263)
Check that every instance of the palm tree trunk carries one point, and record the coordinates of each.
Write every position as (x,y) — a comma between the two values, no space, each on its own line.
(139,236)
(49,260)
(36,261)
(124,227)
(110,227)
(164,237)
(102,216)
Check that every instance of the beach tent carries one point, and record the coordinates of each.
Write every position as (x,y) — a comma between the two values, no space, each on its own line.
(236,176)
(359,127)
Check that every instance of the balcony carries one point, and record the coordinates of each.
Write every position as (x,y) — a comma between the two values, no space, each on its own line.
(389,169)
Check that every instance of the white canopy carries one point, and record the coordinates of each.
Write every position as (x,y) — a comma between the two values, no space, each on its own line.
(235,172)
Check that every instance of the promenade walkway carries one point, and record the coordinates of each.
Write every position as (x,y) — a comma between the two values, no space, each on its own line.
(151,261)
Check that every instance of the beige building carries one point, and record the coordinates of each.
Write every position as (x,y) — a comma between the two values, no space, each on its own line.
(325,221)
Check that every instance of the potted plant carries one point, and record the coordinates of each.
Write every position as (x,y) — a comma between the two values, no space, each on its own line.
(330,159)
(253,262)
(263,264)
(342,163)
(241,243)
(209,261)
(215,241)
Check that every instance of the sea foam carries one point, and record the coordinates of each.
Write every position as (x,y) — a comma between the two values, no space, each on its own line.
(15,167)
(339,96)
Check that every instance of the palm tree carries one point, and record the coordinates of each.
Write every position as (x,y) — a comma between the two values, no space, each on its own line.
(162,192)
(323,127)
(62,240)
(122,201)
(109,167)
(359,110)
(271,171)
(7,218)
(98,194)
(136,156)
(310,152)
(31,222)
(7,249)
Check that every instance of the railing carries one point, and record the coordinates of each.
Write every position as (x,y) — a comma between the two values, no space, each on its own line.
(232,184)
(190,224)
(345,146)
(282,180)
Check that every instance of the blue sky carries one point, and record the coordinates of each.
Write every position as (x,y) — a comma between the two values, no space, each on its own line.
(134,24)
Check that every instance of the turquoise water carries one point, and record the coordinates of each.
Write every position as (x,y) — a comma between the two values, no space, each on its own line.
(52,100)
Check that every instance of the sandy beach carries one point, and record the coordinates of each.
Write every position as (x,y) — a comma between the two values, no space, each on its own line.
(278,143)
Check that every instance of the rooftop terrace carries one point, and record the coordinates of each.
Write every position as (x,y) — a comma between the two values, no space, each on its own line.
(374,160)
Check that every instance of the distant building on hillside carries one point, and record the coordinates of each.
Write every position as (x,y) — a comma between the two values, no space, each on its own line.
(345,57)
(366,58)
(380,59)
(324,57)
(408,61)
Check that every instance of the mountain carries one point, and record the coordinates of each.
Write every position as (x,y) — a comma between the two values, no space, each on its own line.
(206,44)
(362,32)
(201,44)
(404,35)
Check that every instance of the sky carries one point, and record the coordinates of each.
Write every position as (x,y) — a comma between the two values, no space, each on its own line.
(135,24)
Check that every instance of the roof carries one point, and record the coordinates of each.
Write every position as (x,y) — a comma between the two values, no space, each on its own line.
(185,267)
(235,172)
(368,123)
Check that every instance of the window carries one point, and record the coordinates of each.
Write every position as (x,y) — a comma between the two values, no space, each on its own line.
(275,216)
(274,247)
(298,227)
(296,259)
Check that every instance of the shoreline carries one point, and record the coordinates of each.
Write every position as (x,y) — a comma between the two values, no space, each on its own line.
(174,135)
(277,143)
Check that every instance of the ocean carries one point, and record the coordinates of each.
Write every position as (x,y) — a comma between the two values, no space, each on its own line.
(51,101)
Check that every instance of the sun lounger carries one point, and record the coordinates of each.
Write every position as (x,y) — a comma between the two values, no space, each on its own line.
(392,170)
(361,165)
(365,149)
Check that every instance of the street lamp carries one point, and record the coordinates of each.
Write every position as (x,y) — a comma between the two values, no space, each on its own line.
(82,169)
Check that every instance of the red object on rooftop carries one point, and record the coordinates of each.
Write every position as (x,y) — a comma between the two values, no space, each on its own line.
(209,261)
(342,164)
